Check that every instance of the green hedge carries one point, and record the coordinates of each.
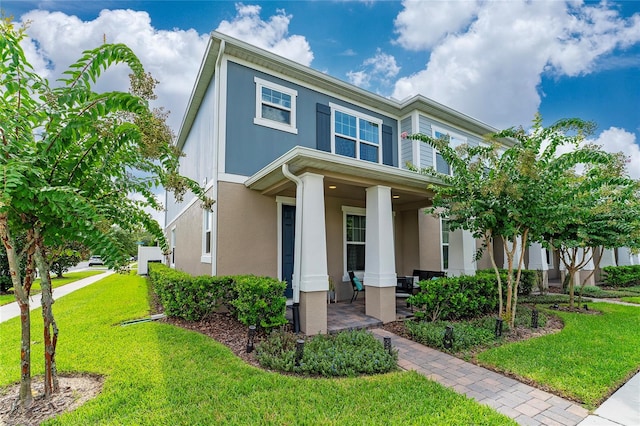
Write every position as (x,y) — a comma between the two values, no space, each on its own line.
(455,297)
(253,300)
(622,276)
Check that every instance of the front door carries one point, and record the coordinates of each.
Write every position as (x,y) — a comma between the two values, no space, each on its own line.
(288,243)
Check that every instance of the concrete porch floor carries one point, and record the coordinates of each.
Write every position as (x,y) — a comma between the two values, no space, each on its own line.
(345,316)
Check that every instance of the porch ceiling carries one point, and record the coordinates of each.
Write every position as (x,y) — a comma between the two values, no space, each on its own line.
(349,176)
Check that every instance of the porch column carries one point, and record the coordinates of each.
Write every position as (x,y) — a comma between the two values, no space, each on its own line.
(380,266)
(462,251)
(608,258)
(538,262)
(625,258)
(314,280)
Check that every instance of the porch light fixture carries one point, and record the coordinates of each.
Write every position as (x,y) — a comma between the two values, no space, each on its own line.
(299,351)
(447,342)
(387,344)
(498,329)
(332,187)
(251,336)
(534,318)
(395,197)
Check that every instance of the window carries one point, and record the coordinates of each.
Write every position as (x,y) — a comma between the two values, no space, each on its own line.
(173,247)
(440,164)
(356,135)
(355,227)
(444,226)
(206,234)
(275,106)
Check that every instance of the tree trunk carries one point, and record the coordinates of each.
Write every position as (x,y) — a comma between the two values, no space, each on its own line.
(514,304)
(489,244)
(22,293)
(50,327)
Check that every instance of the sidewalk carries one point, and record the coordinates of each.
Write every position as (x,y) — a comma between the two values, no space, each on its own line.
(524,403)
(12,310)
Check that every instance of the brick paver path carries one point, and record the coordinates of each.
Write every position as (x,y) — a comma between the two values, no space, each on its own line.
(526,404)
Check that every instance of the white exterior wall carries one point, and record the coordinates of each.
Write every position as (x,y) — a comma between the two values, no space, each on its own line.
(147,254)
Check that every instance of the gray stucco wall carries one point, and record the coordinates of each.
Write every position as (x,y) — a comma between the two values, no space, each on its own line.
(250,147)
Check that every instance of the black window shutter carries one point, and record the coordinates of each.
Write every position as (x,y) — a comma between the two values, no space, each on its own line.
(323,127)
(387,145)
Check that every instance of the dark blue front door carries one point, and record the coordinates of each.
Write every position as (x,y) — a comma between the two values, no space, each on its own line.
(288,243)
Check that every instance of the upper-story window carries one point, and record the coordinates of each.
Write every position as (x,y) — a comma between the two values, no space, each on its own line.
(356,135)
(440,164)
(275,106)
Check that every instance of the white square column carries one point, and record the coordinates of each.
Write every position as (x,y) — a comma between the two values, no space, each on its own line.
(608,258)
(625,257)
(462,252)
(538,262)
(516,255)
(380,265)
(312,273)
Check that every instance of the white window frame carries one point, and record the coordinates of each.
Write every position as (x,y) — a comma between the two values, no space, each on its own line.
(454,141)
(172,259)
(259,120)
(350,211)
(442,246)
(359,116)
(207,230)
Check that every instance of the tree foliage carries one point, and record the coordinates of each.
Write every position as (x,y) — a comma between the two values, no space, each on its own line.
(70,159)
(520,187)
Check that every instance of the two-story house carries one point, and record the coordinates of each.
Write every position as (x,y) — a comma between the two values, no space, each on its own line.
(310,179)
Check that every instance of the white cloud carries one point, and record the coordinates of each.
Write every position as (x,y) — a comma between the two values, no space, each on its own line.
(422,24)
(173,57)
(380,69)
(492,70)
(619,140)
(271,35)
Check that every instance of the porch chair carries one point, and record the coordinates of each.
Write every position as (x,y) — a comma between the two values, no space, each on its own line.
(356,284)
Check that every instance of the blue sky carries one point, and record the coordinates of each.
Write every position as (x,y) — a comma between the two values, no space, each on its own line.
(497,61)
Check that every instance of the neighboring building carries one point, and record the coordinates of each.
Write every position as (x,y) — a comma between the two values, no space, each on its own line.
(302,166)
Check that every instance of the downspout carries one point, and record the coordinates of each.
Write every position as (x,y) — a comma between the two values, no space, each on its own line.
(297,249)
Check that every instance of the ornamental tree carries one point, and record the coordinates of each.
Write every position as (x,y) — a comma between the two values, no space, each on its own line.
(70,159)
(511,189)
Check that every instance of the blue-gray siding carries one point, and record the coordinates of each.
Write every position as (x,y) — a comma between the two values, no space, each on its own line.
(406,145)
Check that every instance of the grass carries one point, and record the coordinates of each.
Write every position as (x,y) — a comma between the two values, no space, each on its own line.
(590,358)
(68,278)
(159,374)
(634,299)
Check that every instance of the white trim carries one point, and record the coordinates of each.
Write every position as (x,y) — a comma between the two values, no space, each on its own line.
(415,148)
(454,141)
(442,268)
(231,178)
(261,121)
(172,255)
(359,116)
(286,201)
(207,227)
(354,211)
(205,259)
(220,114)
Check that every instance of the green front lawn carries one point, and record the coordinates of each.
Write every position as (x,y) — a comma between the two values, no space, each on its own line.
(68,278)
(588,360)
(160,374)
(635,299)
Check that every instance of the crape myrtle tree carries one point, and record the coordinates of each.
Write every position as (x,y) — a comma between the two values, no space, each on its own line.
(70,159)
(62,257)
(507,189)
(598,208)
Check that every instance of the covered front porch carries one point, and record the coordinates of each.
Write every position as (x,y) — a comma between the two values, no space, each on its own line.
(337,214)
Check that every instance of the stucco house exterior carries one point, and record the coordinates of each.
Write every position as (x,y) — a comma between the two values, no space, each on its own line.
(310,179)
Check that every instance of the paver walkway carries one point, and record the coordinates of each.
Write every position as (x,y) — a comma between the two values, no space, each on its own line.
(524,403)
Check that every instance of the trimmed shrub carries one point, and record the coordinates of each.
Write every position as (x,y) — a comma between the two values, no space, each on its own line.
(253,300)
(622,276)
(529,279)
(465,335)
(259,301)
(349,353)
(455,297)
